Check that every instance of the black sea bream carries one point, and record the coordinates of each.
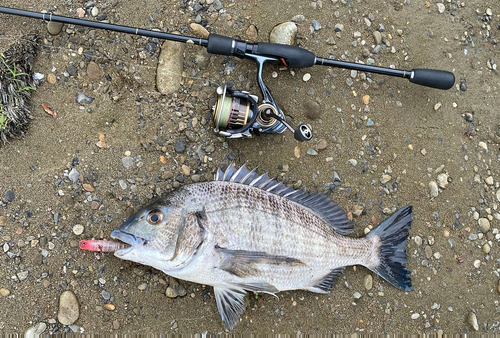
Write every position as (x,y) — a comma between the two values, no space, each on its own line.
(245,232)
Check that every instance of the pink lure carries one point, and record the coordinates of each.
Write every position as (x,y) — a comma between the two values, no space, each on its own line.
(101,246)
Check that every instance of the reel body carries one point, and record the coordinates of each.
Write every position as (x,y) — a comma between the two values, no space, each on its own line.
(237,113)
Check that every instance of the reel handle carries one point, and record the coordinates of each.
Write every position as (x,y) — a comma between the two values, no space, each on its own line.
(433,78)
(303,133)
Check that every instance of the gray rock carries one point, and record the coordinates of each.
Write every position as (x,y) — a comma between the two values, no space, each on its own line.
(22,275)
(442,180)
(312,110)
(170,66)
(72,71)
(122,184)
(433,187)
(73,175)
(35,331)
(180,146)
(127,161)
(284,33)
(105,294)
(356,295)
(316,25)
(484,225)
(378,37)
(175,289)
(472,319)
(368,282)
(9,195)
(69,310)
(299,18)
(82,99)
(54,28)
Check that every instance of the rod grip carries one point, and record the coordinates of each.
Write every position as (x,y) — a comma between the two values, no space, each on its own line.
(219,44)
(290,56)
(433,78)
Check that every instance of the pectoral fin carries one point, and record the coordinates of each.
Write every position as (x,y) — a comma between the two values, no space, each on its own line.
(244,263)
(231,303)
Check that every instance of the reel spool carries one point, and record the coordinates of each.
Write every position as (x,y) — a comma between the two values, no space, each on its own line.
(234,113)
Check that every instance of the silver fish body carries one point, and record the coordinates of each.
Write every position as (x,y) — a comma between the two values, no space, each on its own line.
(245,232)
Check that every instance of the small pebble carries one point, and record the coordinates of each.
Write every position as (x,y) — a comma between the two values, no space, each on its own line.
(9,195)
(127,161)
(477,263)
(142,286)
(433,187)
(415,316)
(35,331)
(83,99)
(472,319)
(442,180)
(78,229)
(109,307)
(486,248)
(484,225)
(4,292)
(368,282)
(356,295)
(306,77)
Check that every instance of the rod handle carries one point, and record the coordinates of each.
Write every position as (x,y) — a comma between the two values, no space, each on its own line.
(433,78)
(290,56)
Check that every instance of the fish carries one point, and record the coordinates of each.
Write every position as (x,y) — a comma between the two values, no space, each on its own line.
(245,232)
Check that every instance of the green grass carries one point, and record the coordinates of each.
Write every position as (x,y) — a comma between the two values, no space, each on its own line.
(4,120)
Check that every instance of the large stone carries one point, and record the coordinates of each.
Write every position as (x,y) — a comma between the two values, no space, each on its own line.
(284,33)
(199,30)
(170,65)
(69,310)
(54,27)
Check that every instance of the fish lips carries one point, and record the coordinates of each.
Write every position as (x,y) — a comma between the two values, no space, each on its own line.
(127,238)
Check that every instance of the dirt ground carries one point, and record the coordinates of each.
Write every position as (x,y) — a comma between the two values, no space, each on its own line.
(385,152)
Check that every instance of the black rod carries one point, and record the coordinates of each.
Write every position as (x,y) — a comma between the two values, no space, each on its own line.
(364,68)
(106,26)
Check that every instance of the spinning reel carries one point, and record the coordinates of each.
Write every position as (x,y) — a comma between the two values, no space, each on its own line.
(237,113)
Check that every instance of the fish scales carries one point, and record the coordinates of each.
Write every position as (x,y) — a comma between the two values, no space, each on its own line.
(275,225)
(245,232)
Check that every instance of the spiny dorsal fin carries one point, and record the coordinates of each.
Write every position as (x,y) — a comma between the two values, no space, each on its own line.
(325,208)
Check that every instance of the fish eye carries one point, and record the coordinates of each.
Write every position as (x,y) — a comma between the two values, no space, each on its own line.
(155,217)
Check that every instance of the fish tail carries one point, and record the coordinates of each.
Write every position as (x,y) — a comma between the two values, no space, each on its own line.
(392,235)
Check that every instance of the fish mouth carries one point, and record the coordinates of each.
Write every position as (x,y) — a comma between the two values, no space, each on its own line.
(131,240)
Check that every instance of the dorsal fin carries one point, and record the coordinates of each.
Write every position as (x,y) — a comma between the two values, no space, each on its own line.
(329,211)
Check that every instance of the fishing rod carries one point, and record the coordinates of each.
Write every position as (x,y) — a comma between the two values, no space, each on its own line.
(237,113)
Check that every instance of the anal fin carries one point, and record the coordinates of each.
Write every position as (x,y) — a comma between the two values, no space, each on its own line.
(230,302)
(327,283)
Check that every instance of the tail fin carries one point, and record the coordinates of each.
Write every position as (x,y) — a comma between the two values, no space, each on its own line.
(393,233)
